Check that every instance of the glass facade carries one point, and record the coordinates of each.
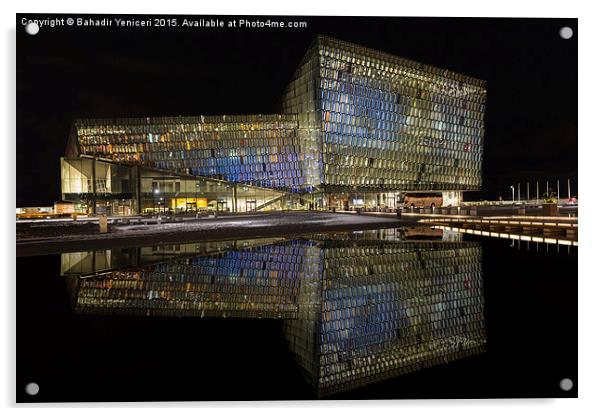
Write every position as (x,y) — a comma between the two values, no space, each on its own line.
(105,187)
(355,308)
(354,120)
(99,186)
(261,150)
(380,122)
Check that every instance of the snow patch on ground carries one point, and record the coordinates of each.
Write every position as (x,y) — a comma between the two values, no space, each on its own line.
(281,220)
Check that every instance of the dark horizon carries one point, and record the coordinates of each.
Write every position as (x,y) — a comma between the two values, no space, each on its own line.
(68,72)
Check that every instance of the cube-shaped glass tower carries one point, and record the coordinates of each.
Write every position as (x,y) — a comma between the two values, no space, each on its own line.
(371,121)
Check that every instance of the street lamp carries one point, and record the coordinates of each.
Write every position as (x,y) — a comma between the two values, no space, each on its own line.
(512,187)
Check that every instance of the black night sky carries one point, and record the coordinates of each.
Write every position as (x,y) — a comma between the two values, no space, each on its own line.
(67,72)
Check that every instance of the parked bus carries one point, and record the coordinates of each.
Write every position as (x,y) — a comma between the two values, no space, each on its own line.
(428,200)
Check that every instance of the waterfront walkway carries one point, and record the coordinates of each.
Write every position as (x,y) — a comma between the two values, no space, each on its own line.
(53,237)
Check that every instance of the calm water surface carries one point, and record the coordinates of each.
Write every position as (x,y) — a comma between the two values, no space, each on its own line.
(380,314)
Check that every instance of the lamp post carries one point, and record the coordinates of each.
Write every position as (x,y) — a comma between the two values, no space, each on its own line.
(512,187)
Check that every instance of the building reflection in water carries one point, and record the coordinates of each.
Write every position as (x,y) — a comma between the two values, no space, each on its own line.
(356,308)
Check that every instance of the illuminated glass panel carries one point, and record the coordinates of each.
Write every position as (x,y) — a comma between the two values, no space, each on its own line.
(382,122)
(262,150)
(353,119)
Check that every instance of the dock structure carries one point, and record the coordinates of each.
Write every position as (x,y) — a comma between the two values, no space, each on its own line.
(522,225)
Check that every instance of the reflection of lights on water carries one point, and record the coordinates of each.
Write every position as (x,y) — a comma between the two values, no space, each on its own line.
(534,217)
(510,236)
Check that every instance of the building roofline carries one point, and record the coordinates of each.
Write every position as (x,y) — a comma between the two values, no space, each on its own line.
(321,39)
(223,118)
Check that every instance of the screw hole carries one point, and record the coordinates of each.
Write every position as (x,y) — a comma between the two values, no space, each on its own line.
(32,28)
(566,32)
(32,389)
(566,384)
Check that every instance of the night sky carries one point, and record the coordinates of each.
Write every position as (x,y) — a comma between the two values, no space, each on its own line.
(68,72)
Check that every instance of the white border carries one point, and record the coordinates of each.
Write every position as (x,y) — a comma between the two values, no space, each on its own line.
(589,159)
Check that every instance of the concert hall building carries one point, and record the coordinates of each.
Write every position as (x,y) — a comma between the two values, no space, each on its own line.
(358,128)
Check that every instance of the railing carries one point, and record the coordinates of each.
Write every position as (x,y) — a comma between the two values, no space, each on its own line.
(532,201)
(545,222)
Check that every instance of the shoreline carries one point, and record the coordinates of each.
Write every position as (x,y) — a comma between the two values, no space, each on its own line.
(219,229)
